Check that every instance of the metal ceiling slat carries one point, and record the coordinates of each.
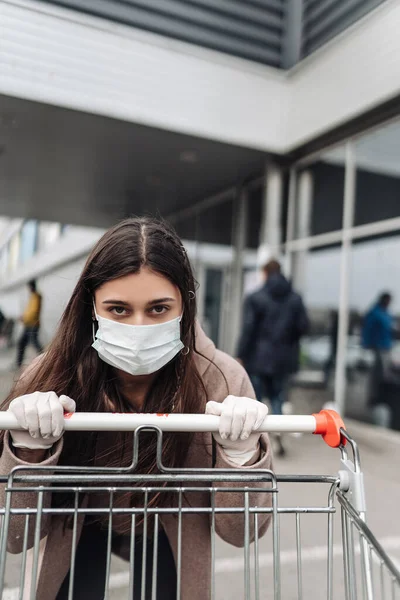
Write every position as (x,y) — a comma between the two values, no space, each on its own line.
(177,19)
(217,39)
(237,9)
(338,13)
(202,18)
(277,5)
(269,55)
(269,52)
(253,29)
(318,11)
(292,42)
(340,16)
(309,4)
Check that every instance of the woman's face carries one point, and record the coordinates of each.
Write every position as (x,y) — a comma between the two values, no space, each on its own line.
(144,298)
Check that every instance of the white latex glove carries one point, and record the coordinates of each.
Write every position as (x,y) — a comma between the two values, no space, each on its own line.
(41,414)
(240,418)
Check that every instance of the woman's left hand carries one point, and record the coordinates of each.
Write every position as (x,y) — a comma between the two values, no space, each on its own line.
(240,419)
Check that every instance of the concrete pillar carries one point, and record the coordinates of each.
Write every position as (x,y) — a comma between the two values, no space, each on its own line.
(233,318)
(271,236)
(305,192)
(343,324)
(290,221)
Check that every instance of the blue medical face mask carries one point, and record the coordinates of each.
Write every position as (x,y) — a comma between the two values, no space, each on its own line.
(137,349)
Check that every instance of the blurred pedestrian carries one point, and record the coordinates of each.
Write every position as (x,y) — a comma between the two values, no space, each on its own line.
(377,331)
(31,321)
(377,335)
(274,320)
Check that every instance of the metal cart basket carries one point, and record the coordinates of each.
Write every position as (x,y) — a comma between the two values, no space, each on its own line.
(347,562)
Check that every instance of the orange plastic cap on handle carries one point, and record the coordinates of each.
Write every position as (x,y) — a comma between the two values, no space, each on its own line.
(328,424)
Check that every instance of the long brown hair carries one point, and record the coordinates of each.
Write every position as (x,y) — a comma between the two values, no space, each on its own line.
(72,367)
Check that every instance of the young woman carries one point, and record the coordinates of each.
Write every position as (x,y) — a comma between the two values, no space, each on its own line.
(129,342)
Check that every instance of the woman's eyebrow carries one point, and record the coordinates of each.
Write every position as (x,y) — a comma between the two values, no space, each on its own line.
(160,300)
(118,302)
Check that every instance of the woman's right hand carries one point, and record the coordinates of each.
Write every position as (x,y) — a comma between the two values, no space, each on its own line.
(41,415)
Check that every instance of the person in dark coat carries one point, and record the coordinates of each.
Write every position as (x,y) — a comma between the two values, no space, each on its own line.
(274,320)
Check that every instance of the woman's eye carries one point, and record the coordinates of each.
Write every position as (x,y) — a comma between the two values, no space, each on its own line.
(118,310)
(159,310)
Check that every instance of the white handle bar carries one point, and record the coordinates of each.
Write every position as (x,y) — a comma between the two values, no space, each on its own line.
(324,423)
(173,422)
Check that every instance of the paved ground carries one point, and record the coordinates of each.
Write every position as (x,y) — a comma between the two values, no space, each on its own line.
(380,454)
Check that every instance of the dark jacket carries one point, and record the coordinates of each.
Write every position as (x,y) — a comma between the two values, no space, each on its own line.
(274,320)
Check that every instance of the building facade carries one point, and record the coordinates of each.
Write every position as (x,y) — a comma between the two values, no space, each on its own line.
(262,128)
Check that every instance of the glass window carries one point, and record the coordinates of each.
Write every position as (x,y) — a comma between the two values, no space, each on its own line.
(210,233)
(29,238)
(4,260)
(318,347)
(48,233)
(14,252)
(214,237)
(320,184)
(254,216)
(378,175)
(212,302)
(64,228)
(373,349)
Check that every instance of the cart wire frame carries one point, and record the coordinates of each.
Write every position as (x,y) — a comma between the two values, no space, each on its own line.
(375,577)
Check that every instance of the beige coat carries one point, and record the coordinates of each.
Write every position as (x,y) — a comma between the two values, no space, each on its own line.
(226,377)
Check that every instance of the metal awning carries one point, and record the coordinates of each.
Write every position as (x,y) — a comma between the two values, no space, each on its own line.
(72,167)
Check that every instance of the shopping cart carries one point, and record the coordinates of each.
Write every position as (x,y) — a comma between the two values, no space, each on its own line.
(272,567)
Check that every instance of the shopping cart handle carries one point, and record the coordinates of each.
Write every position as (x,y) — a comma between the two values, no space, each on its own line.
(327,423)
